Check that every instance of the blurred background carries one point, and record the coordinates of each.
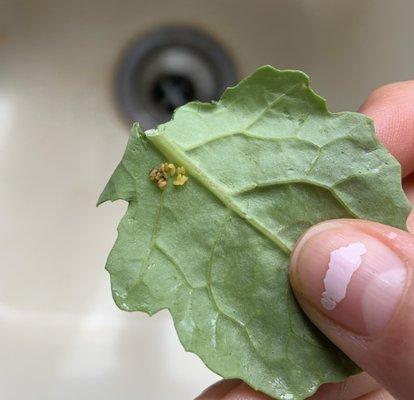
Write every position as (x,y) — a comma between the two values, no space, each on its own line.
(73,75)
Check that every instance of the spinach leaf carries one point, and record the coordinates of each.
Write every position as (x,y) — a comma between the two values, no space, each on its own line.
(264,163)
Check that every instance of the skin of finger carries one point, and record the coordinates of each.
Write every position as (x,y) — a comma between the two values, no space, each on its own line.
(392,109)
(349,389)
(409,191)
(378,395)
(244,392)
(219,389)
(389,358)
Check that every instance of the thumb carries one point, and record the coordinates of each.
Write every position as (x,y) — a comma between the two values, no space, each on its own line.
(354,280)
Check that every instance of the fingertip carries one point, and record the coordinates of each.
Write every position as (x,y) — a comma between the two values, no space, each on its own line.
(231,389)
(312,232)
(354,282)
(219,390)
(348,273)
(391,107)
(409,191)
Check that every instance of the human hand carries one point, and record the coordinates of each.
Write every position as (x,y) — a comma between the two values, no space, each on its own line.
(374,323)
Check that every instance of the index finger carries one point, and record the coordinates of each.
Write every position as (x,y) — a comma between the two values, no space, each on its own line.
(392,109)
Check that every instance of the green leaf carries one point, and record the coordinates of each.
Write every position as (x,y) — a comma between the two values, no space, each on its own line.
(264,163)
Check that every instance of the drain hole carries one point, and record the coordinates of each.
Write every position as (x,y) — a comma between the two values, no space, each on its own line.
(172,91)
(168,68)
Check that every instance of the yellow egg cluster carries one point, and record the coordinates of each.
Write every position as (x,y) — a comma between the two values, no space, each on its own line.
(161,173)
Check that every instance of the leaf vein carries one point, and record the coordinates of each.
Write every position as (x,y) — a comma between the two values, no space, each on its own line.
(246,134)
(277,182)
(150,247)
(176,265)
(270,105)
(226,220)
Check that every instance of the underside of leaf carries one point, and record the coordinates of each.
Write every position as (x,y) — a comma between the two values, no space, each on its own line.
(264,164)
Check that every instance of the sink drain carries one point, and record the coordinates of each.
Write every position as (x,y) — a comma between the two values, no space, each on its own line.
(168,68)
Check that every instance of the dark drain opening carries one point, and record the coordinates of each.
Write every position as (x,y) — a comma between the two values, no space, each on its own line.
(172,91)
(168,68)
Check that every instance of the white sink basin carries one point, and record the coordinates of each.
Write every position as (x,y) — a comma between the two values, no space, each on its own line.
(61,137)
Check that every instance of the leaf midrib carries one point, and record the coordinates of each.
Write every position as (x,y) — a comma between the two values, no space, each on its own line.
(176,155)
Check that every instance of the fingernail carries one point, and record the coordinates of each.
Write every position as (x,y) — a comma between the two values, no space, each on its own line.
(350,276)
